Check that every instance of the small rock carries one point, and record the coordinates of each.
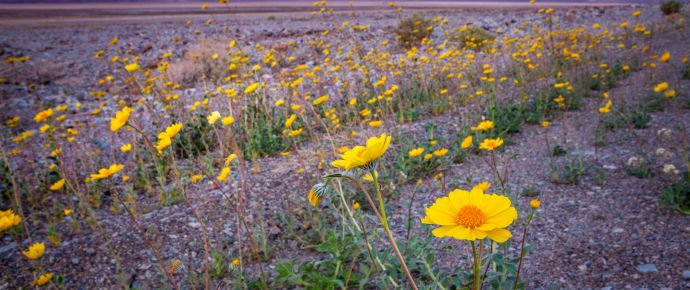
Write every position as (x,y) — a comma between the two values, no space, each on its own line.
(647,268)
(617,230)
(686,274)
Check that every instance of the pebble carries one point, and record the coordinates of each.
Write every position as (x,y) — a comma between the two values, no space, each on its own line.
(686,274)
(647,268)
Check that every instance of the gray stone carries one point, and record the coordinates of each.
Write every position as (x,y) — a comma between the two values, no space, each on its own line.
(647,268)
(686,274)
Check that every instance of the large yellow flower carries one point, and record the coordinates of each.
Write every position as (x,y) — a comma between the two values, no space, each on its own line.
(35,251)
(471,215)
(107,172)
(120,119)
(360,156)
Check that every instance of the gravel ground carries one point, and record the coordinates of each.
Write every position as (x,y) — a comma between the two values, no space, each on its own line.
(608,231)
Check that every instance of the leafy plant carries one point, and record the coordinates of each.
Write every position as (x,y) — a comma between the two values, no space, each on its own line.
(670,7)
(677,196)
(412,29)
(473,37)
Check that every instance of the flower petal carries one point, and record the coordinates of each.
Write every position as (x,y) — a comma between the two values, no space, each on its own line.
(494,204)
(459,198)
(499,235)
(503,219)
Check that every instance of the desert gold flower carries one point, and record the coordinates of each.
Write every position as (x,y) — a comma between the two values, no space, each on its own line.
(251,88)
(172,130)
(43,279)
(107,172)
(126,148)
(606,108)
(320,100)
(415,152)
(163,142)
(375,124)
(441,152)
(545,124)
(491,144)
(294,133)
(428,156)
(120,119)
(466,143)
(58,185)
(665,57)
(290,120)
(229,159)
(224,173)
(35,251)
(132,67)
(43,115)
(8,219)
(227,121)
(195,178)
(483,126)
(670,93)
(471,215)
(364,156)
(68,212)
(355,205)
(661,87)
(213,118)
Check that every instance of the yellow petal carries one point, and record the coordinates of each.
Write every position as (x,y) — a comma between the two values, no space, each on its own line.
(499,235)
(494,204)
(460,198)
(443,231)
(442,212)
(476,197)
(503,219)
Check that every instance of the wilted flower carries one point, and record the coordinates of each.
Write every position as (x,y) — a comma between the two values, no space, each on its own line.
(43,279)
(670,169)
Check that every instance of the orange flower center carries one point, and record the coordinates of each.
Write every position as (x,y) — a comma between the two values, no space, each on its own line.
(470,217)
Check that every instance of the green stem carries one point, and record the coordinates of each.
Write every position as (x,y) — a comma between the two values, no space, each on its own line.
(477,265)
(382,208)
